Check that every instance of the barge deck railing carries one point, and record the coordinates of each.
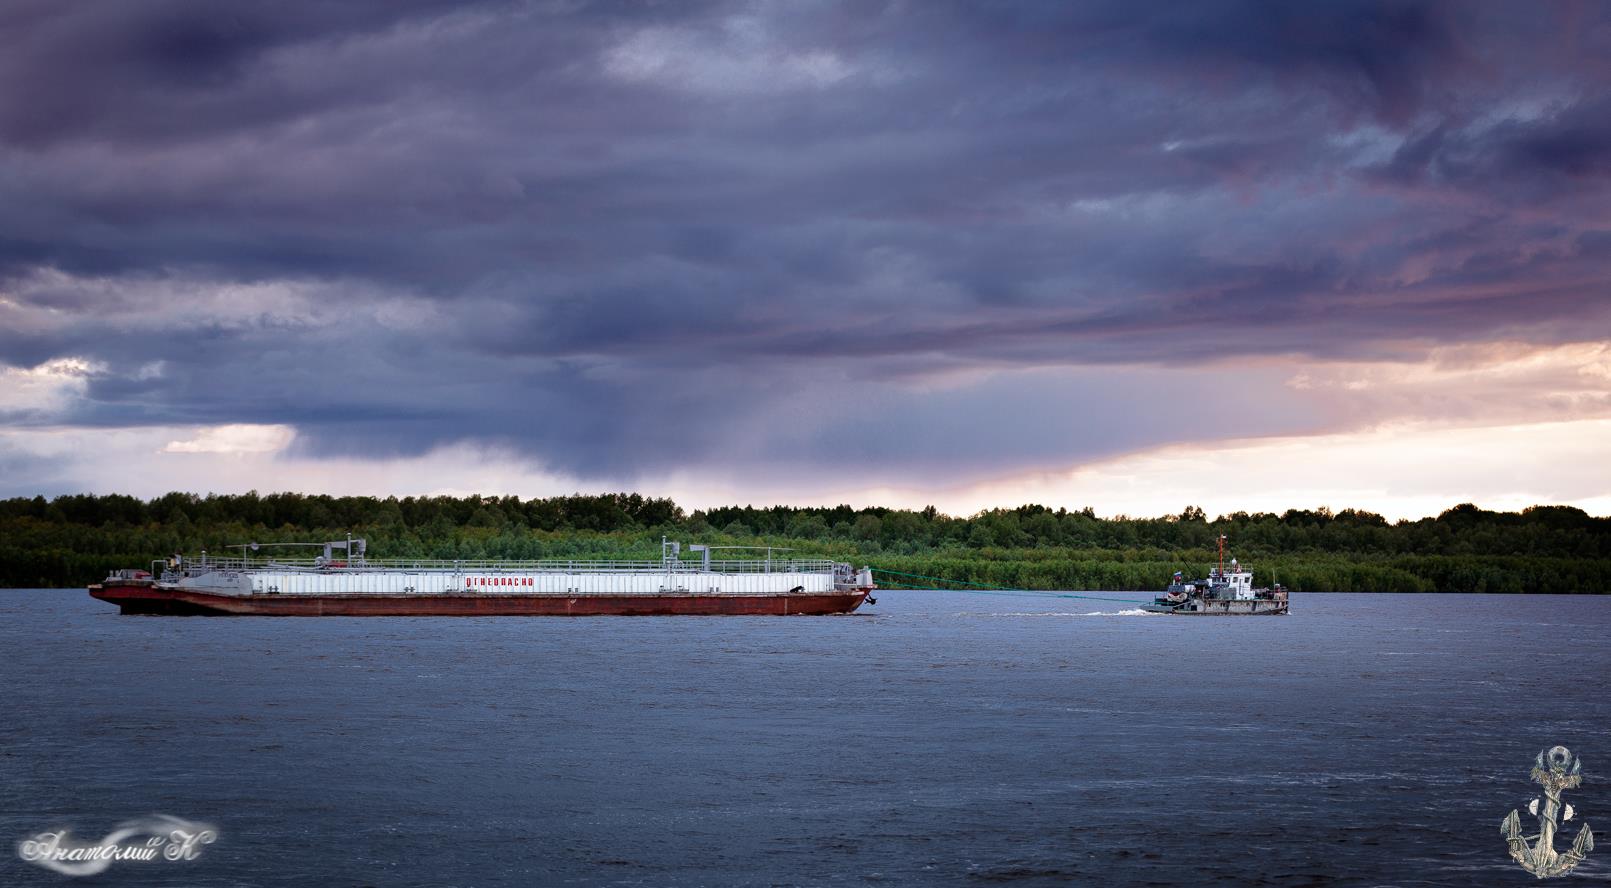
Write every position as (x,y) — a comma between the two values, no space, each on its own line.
(482,566)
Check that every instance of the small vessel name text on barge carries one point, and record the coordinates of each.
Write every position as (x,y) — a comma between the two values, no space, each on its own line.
(354,585)
(1226,593)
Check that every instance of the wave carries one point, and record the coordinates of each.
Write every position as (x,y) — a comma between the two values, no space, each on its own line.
(1134,612)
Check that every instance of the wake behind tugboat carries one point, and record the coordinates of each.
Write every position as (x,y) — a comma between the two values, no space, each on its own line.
(353,585)
(1223,594)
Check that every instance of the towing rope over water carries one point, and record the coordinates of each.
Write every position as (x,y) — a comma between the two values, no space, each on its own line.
(989,589)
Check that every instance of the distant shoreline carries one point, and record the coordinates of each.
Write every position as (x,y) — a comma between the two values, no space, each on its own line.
(1027,592)
(72,541)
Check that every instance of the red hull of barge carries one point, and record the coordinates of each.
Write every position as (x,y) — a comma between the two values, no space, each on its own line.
(149,598)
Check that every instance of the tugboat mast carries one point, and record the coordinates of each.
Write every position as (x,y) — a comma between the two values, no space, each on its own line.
(1222,554)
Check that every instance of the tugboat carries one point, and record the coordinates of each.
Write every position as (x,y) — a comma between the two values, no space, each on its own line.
(1225,593)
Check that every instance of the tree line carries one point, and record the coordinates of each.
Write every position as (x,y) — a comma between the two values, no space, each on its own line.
(73,540)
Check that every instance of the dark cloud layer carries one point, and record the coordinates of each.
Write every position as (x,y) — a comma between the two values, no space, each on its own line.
(626,236)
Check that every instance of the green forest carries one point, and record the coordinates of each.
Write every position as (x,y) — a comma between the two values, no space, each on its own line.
(75,540)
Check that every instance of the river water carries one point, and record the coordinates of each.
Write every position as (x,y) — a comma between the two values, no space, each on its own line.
(937,738)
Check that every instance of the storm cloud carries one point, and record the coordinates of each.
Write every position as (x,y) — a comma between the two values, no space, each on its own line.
(927,239)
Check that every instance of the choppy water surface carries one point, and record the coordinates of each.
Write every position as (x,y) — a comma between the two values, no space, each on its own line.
(937,739)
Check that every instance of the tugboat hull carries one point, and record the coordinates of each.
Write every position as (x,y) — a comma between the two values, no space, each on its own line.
(1226,608)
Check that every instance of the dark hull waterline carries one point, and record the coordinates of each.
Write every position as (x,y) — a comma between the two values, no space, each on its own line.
(155,599)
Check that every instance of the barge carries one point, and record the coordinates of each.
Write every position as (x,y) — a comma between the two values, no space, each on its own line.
(1225,593)
(344,582)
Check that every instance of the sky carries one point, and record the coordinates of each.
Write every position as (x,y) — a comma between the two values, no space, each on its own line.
(1131,256)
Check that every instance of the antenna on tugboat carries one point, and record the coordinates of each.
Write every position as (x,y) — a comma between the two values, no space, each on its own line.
(1222,554)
